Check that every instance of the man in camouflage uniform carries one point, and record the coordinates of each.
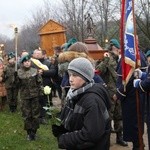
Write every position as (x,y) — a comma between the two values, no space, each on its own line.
(107,70)
(30,85)
(9,78)
(47,71)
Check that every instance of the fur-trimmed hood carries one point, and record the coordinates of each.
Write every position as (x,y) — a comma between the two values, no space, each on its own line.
(66,57)
(70,55)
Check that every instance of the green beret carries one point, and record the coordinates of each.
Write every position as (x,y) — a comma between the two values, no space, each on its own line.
(148,53)
(25,58)
(115,43)
(11,55)
(70,42)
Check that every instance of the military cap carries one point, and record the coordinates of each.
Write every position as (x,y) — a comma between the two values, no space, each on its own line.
(69,43)
(25,58)
(115,43)
(11,55)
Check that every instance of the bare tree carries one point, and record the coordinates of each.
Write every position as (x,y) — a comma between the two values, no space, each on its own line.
(75,12)
(29,38)
(143,22)
(107,15)
(72,13)
(8,44)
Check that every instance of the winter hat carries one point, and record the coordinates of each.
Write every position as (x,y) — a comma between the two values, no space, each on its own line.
(11,55)
(78,47)
(115,43)
(25,58)
(83,67)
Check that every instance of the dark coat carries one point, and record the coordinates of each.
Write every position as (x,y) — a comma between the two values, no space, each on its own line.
(128,104)
(89,123)
(47,74)
(145,84)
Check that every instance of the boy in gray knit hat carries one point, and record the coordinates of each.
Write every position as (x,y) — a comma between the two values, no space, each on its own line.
(85,119)
(83,67)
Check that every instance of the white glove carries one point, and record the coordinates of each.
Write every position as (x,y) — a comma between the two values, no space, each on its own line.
(138,73)
(106,54)
(136,83)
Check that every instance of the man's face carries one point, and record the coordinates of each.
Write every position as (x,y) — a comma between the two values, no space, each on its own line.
(115,50)
(38,54)
(12,60)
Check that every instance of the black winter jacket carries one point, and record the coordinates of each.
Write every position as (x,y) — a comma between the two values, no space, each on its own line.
(47,74)
(90,123)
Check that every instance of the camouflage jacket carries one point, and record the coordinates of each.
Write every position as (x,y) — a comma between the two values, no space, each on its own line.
(30,83)
(9,76)
(107,69)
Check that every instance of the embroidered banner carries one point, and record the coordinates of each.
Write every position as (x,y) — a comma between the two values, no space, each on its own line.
(129,41)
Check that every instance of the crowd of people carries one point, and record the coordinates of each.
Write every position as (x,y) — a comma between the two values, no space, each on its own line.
(94,103)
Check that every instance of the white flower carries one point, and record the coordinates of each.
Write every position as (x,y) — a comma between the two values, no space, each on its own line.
(47,90)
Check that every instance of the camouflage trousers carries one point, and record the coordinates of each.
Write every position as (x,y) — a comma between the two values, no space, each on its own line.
(116,115)
(12,96)
(3,101)
(30,112)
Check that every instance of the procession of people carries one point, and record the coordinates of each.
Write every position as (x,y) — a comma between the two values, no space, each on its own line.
(93,102)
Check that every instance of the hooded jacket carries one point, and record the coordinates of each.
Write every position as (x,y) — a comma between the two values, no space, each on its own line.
(89,123)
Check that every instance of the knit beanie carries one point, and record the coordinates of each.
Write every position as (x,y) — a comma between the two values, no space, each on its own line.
(83,67)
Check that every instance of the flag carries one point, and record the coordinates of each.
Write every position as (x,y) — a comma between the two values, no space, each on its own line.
(129,42)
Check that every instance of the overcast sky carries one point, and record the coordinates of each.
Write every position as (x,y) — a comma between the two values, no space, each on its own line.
(16,12)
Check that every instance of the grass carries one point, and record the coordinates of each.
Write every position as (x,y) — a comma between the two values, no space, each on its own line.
(13,136)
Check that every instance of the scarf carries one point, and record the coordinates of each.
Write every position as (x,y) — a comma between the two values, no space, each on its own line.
(71,100)
(39,64)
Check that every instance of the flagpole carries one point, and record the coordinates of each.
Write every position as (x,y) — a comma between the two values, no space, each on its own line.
(139,113)
(16,46)
(122,39)
(148,118)
(129,61)
(139,119)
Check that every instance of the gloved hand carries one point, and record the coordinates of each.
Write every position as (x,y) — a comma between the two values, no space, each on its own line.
(136,83)
(106,54)
(58,130)
(138,73)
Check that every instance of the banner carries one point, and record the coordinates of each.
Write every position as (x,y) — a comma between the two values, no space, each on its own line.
(129,41)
